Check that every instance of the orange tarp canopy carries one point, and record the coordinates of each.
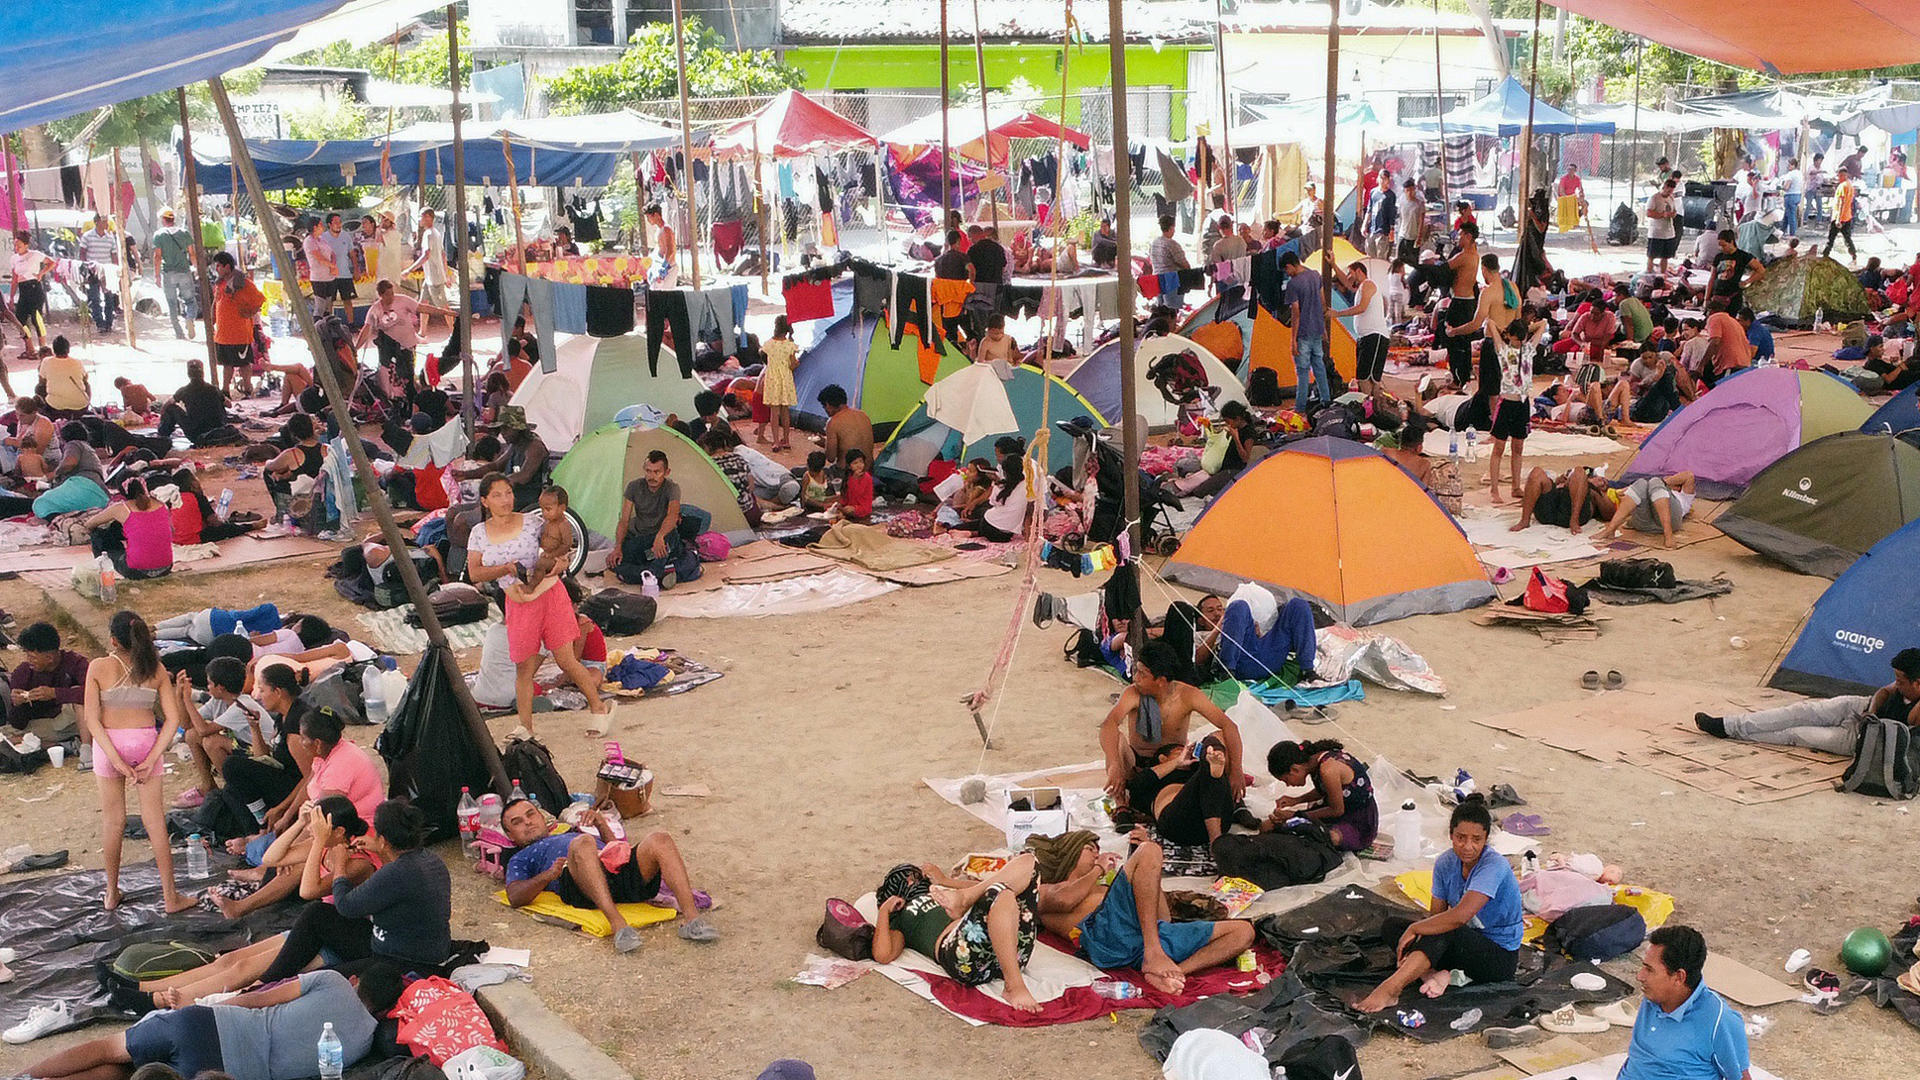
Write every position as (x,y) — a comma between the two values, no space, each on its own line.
(1788,37)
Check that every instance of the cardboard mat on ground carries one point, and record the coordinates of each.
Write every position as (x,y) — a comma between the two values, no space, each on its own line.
(1650,725)
(232,554)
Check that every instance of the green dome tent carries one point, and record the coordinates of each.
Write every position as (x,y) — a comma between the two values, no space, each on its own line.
(599,467)
(1824,505)
(1797,289)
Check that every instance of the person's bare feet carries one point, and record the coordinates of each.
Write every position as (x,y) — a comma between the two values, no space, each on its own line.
(1493,496)
(1518,526)
(1216,762)
(169,998)
(1435,983)
(181,903)
(1373,1003)
(1022,999)
(253,874)
(1164,975)
(236,846)
(229,908)
(1574,529)
(112,898)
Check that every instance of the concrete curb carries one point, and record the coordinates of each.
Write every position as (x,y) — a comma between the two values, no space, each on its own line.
(541,1038)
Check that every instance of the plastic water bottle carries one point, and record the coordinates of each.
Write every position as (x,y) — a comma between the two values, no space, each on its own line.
(1470,441)
(469,815)
(109,580)
(221,508)
(373,698)
(1116,989)
(1406,831)
(196,857)
(1820,318)
(489,816)
(519,793)
(331,1053)
(1453,445)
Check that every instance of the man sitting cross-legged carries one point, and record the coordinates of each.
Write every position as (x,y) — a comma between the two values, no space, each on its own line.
(977,931)
(595,870)
(1127,924)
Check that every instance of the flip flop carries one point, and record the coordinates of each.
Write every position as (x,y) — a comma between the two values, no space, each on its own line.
(1618,1013)
(1590,681)
(1615,680)
(1043,610)
(1525,825)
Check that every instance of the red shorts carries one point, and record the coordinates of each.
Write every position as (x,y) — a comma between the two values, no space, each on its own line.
(545,620)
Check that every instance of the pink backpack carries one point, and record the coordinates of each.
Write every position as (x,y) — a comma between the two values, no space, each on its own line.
(712,546)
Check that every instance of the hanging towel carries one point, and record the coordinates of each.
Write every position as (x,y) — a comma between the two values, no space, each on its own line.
(1189,279)
(1149,285)
(513,293)
(540,297)
(708,320)
(569,307)
(719,300)
(1173,179)
(728,238)
(807,300)
(667,309)
(609,311)
(738,294)
(949,297)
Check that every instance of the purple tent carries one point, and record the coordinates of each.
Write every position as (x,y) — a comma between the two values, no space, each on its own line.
(1748,422)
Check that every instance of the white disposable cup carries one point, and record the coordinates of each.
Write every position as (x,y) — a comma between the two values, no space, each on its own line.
(57,755)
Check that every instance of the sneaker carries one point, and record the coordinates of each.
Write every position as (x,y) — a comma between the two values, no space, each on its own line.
(86,757)
(1824,984)
(41,1020)
(189,799)
(626,940)
(1246,818)
(1712,725)
(699,930)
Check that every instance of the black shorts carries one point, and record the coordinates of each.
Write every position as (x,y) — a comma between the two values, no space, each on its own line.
(1511,419)
(187,1039)
(1555,507)
(1370,358)
(1464,949)
(233,355)
(30,303)
(628,886)
(1662,248)
(343,288)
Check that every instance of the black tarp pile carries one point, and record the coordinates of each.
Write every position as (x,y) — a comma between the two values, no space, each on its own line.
(1338,951)
(1885,991)
(61,935)
(1285,1009)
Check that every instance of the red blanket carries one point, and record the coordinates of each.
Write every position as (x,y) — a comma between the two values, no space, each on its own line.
(1083,1003)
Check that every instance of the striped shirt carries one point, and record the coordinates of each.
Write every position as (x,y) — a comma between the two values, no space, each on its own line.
(99,247)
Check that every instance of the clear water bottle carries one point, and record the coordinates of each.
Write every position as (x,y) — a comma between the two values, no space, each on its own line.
(520,793)
(1406,831)
(197,857)
(1470,440)
(489,816)
(331,1054)
(1116,989)
(373,697)
(224,506)
(109,580)
(1453,445)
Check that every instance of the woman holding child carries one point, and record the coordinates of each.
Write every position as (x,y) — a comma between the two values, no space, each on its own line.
(515,552)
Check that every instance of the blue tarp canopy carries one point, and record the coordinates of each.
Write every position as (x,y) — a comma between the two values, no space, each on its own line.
(1504,113)
(78,55)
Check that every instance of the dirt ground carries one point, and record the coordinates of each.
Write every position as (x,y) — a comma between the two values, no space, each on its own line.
(815,742)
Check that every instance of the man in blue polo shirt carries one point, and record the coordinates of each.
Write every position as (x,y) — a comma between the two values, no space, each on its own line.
(1683,1031)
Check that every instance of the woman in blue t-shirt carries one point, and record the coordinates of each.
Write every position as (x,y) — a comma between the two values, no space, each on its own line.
(1475,923)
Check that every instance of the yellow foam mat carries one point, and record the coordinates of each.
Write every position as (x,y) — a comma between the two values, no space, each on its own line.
(549,908)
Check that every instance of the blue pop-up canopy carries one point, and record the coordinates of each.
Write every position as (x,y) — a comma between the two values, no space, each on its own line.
(78,55)
(1504,113)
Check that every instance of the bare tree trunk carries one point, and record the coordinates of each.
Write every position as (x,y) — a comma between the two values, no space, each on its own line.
(1496,41)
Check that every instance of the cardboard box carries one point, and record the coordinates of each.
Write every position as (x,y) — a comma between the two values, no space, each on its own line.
(1047,816)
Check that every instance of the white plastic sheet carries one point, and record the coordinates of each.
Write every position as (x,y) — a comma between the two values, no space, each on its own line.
(789,596)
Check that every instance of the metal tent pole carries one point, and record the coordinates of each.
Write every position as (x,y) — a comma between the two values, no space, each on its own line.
(463,320)
(337,400)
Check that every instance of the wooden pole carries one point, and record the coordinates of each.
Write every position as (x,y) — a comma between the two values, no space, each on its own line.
(760,209)
(1633,151)
(1327,223)
(1123,239)
(946,142)
(190,179)
(463,321)
(986,143)
(1225,157)
(329,376)
(1526,145)
(118,222)
(1440,117)
(690,244)
(513,203)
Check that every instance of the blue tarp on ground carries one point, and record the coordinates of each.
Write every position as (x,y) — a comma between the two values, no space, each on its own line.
(77,55)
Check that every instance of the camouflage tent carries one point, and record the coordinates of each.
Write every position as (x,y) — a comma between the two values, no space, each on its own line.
(1795,289)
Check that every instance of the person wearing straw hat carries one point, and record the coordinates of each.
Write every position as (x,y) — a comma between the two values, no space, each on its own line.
(173,265)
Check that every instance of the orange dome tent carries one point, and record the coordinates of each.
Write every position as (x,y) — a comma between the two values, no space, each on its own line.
(1341,525)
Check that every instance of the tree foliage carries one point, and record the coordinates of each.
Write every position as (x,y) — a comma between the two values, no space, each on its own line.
(151,118)
(649,71)
(423,64)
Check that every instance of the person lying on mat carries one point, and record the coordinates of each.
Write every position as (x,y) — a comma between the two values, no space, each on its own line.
(1683,1030)
(1342,799)
(1475,922)
(1151,719)
(1567,501)
(977,931)
(1832,724)
(1649,503)
(596,870)
(263,1035)
(1126,923)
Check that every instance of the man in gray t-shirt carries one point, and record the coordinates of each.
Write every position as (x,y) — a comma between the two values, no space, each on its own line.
(1167,257)
(648,539)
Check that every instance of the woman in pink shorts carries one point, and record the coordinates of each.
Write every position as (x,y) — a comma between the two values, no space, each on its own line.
(123,687)
(502,548)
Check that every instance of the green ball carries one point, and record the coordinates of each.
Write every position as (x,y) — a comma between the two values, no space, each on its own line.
(1866,952)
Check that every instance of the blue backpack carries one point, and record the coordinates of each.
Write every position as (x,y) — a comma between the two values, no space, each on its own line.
(1600,932)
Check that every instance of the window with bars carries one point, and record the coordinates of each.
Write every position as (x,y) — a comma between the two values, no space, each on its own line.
(593,22)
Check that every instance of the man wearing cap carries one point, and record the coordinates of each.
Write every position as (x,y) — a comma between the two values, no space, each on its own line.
(522,460)
(1123,921)
(173,267)
(590,866)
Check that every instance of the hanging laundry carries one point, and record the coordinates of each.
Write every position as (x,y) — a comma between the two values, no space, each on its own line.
(569,307)
(824,194)
(609,311)
(1174,184)
(738,295)
(949,299)
(1149,285)
(667,311)
(585,216)
(871,286)
(540,298)
(728,238)
(807,300)
(711,309)
(911,307)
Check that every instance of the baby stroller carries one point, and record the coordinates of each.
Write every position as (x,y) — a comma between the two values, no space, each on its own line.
(368,395)
(1104,459)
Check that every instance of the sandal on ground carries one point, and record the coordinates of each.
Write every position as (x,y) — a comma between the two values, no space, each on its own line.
(1590,681)
(1614,680)
(1565,1020)
(1618,1013)
(600,724)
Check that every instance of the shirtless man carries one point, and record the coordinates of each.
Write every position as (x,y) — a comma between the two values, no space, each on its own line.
(1160,709)
(1462,303)
(1127,923)
(1491,309)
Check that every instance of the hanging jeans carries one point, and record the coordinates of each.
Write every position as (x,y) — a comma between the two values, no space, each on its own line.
(667,309)
(1251,656)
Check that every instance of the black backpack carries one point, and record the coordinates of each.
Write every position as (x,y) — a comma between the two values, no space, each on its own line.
(1324,1057)
(528,762)
(456,604)
(1263,388)
(1625,226)
(1636,574)
(1598,932)
(619,613)
(1886,761)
